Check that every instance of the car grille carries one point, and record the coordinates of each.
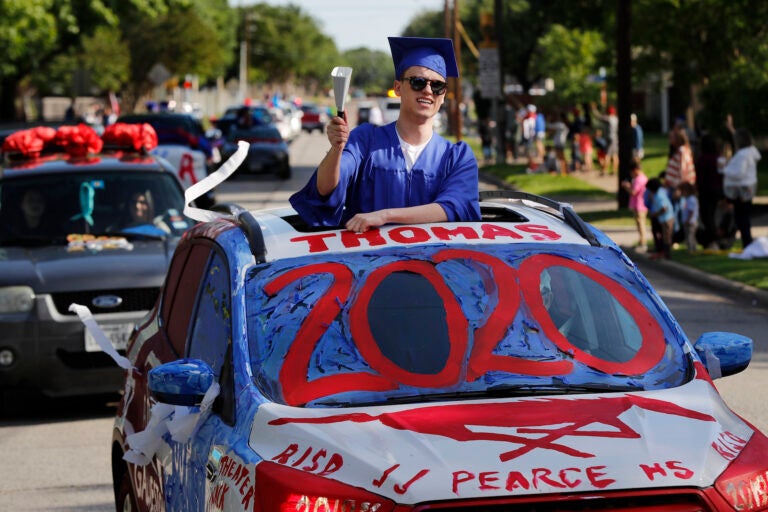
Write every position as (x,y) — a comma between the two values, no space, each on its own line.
(86,360)
(134,299)
(653,501)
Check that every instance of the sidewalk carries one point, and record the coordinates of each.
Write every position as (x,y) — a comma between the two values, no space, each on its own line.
(626,237)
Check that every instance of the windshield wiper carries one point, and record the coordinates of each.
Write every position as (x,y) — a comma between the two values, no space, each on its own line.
(504,391)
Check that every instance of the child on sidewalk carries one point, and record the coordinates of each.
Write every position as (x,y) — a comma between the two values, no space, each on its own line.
(690,208)
(661,210)
(636,190)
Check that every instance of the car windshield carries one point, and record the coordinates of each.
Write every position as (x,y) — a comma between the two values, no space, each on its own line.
(461,322)
(45,209)
(257,133)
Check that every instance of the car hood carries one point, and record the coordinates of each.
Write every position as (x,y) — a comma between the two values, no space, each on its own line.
(682,437)
(49,269)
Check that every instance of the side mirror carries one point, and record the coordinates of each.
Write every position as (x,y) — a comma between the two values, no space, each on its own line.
(724,353)
(213,134)
(182,382)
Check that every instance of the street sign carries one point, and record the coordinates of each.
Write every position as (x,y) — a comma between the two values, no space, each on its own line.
(159,74)
(488,75)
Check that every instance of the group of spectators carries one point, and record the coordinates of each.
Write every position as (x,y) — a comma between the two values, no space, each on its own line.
(543,140)
(704,195)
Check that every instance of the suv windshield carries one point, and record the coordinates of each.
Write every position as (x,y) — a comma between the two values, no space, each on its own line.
(503,320)
(44,209)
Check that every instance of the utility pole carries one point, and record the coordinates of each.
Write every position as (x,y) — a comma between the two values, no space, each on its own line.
(243,75)
(457,81)
(453,97)
(624,93)
(501,120)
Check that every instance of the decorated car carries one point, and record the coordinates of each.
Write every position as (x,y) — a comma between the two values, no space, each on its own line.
(85,219)
(521,362)
(185,144)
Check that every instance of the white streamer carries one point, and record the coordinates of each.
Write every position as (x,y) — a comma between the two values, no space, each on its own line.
(178,420)
(184,421)
(210,182)
(90,323)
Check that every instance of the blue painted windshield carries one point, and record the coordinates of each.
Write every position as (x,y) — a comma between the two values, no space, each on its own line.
(467,321)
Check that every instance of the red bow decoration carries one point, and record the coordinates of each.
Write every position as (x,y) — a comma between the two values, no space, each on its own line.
(29,143)
(130,135)
(79,140)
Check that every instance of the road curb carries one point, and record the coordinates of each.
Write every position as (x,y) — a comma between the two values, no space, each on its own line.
(755,296)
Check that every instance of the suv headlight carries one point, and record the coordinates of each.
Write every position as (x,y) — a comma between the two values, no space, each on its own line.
(16,299)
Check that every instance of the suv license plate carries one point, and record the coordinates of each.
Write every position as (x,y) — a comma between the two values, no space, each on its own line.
(118,334)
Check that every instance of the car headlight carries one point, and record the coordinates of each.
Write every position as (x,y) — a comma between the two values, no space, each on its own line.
(16,299)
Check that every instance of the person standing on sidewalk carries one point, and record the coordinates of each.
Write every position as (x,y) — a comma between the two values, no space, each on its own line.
(402,172)
(661,209)
(680,166)
(709,183)
(611,122)
(636,190)
(740,180)
(690,207)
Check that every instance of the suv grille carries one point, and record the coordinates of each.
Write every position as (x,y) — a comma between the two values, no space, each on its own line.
(134,299)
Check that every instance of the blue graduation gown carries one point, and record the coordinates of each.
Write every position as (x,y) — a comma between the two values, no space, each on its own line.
(373,176)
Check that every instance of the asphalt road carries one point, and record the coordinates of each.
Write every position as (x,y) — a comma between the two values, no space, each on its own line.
(57,459)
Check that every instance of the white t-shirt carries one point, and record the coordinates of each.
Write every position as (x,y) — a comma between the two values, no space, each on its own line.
(411,152)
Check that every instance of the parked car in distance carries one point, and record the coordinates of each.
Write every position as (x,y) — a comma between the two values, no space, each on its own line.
(182,141)
(391,109)
(268,152)
(314,117)
(67,236)
(369,111)
(287,118)
(259,115)
(520,362)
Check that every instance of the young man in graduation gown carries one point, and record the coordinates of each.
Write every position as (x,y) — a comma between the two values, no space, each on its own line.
(401,172)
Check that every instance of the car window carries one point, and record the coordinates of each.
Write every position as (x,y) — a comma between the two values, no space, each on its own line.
(211,326)
(90,203)
(588,316)
(467,320)
(180,292)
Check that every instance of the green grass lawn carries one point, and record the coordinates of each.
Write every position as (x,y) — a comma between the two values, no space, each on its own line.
(567,188)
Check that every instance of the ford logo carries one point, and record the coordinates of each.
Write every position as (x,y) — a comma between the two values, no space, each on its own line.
(107,301)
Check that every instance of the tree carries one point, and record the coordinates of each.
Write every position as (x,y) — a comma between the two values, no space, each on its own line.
(32,33)
(184,38)
(286,46)
(706,44)
(373,70)
(569,57)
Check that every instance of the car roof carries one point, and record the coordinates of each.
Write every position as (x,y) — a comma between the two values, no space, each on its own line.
(61,163)
(507,217)
(162,119)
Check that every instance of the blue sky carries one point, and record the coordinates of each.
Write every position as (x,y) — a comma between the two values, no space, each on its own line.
(356,23)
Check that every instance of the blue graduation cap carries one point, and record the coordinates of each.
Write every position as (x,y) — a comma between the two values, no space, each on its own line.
(429,52)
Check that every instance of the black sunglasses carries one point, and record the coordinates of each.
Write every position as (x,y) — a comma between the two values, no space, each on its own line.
(418,83)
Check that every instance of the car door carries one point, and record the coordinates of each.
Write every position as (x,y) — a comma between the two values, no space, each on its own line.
(209,339)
